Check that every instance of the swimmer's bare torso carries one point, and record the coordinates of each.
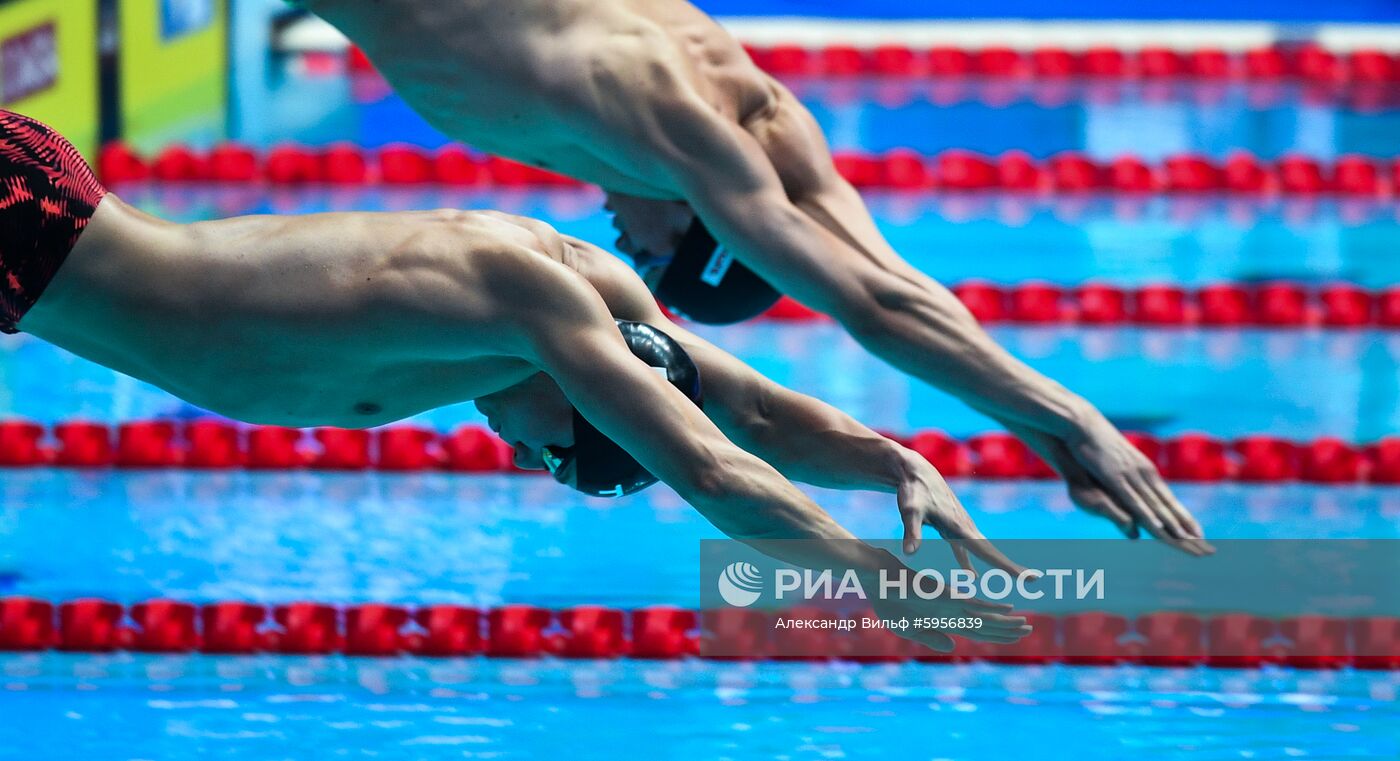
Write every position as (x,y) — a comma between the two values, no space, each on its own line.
(568,85)
(333,319)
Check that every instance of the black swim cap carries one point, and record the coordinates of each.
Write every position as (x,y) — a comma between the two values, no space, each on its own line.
(706,284)
(595,464)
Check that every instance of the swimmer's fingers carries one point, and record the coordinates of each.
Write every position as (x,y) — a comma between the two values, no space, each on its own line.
(913,529)
(1130,479)
(1183,516)
(1084,490)
(1186,531)
(1092,499)
(1159,520)
(983,548)
(928,496)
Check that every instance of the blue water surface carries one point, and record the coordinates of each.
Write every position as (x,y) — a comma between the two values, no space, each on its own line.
(291,708)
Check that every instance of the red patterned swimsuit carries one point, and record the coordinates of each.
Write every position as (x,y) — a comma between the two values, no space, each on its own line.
(47,195)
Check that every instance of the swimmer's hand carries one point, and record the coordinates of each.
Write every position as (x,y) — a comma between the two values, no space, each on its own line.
(1107,476)
(995,622)
(925,500)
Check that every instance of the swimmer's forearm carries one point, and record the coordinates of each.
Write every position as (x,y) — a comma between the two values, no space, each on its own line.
(753,504)
(927,332)
(806,439)
(812,442)
(906,318)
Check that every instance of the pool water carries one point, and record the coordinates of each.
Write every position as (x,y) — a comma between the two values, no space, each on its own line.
(280,708)
(487,540)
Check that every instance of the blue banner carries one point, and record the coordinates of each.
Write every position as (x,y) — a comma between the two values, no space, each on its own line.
(181,17)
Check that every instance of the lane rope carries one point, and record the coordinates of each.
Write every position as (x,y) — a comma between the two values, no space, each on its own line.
(1311,63)
(1232,640)
(1276,304)
(218,444)
(346,164)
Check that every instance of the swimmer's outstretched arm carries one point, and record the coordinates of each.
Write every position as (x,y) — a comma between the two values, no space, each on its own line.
(822,248)
(806,439)
(561,325)
(810,441)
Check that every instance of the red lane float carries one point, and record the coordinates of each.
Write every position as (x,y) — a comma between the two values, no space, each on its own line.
(516,631)
(450,631)
(164,626)
(1225,305)
(591,631)
(409,448)
(1055,63)
(1346,306)
(663,632)
(147,444)
(1094,639)
(83,444)
(26,624)
(1159,305)
(986,301)
(406,165)
(1001,456)
(1037,303)
(19,444)
(1041,646)
(1238,640)
(273,447)
(1171,639)
(1266,458)
(1376,642)
(89,625)
(232,627)
(1165,638)
(306,628)
(1101,305)
(375,629)
(230,162)
(1315,642)
(1229,305)
(1195,457)
(213,444)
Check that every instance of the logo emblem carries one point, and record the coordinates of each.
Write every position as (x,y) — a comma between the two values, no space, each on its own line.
(716,268)
(740,584)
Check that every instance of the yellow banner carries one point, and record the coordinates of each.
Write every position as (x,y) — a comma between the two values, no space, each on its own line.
(48,65)
(174,70)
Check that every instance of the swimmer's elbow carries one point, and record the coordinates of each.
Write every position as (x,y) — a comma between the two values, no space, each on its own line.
(713,480)
(701,481)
